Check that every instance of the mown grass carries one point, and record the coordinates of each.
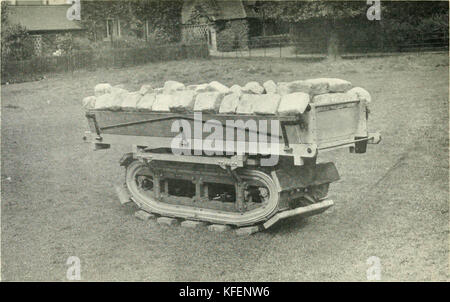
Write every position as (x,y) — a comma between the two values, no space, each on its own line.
(392,202)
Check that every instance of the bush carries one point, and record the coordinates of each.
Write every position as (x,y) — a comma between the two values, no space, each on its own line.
(411,32)
(232,35)
(159,36)
(15,42)
(82,43)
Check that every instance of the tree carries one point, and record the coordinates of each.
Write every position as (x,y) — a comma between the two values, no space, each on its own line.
(14,38)
(164,17)
(331,12)
(408,15)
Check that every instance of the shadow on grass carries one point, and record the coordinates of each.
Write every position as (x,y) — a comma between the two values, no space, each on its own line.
(287,225)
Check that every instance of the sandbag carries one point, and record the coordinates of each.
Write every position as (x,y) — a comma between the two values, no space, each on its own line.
(109,101)
(158,90)
(338,85)
(162,102)
(102,88)
(236,89)
(202,88)
(293,103)
(219,87)
(172,86)
(267,104)
(253,88)
(339,97)
(117,90)
(284,88)
(131,99)
(247,103)
(229,103)
(146,102)
(145,89)
(182,101)
(326,85)
(361,94)
(208,102)
(318,86)
(196,87)
(89,102)
(270,86)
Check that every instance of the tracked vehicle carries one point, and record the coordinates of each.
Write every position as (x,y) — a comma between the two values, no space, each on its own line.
(171,172)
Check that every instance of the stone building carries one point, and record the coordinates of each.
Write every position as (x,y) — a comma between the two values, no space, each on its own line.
(225,25)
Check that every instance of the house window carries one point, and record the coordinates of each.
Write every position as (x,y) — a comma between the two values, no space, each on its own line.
(113,28)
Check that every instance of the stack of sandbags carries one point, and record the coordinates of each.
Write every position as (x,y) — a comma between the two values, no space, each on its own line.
(284,98)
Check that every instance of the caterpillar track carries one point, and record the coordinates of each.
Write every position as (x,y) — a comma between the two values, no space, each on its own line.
(241,197)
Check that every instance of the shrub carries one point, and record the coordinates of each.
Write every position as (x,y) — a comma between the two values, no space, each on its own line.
(232,35)
(159,36)
(15,42)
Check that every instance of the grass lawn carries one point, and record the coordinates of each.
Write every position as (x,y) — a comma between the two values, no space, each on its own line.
(392,202)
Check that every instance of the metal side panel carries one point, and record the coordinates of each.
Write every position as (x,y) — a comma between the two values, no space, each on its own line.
(303,176)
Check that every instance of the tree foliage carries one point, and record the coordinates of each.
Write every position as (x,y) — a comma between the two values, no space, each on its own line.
(401,21)
(14,38)
(295,11)
(164,17)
